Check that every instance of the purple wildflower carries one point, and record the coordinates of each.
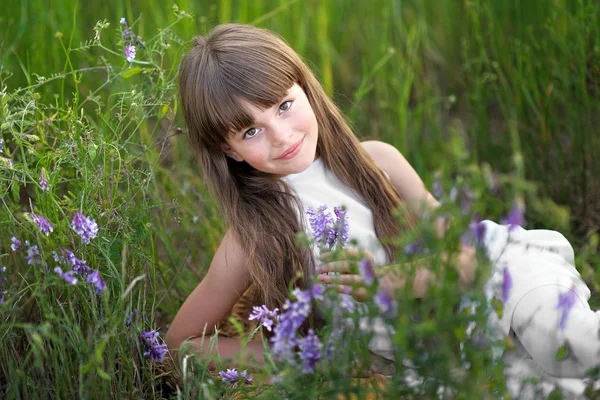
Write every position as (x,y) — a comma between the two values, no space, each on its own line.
(310,351)
(16,244)
(152,349)
(2,282)
(347,305)
(366,269)
(317,292)
(319,223)
(285,333)
(130,52)
(97,280)
(42,223)
(566,301)
(67,257)
(33,254)
(43,181)
(438,191)
(478,230)
(385,303)
(264,315)
(67,276)
(341,227)
(413,248)
(1,145)
(233,377)
(507,285)
(123,21)
(515,218)
(84,226)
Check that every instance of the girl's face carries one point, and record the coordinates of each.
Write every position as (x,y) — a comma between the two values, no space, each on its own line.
(283,138)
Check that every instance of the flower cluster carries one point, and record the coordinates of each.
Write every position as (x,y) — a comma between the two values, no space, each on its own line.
(327,232)
(80,267)
(130,41)
(285,337)
(44,180)
(515,218)
(33,254)
(42,223)
(84,227)
(264,315)
(1,145)
(151,347)
(233,377)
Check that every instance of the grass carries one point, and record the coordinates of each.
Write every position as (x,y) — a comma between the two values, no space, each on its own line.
(471,92)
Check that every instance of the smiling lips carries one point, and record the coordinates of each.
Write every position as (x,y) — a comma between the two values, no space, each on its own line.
(292,151)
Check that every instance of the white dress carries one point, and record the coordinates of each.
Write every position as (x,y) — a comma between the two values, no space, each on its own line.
(317,186)
(545,310)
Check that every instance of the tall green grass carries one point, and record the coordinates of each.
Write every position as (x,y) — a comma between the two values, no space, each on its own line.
(462,88)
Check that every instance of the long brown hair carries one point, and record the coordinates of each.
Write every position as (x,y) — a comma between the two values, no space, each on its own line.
(237,62)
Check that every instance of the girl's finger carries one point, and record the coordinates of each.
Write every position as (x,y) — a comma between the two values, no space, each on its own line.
(342,279)
(351,252)
(343,267)
(359,294)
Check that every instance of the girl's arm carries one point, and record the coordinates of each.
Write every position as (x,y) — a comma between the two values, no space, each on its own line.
(419,200)
(225,282)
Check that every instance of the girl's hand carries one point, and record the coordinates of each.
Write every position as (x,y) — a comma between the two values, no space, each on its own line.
(348,280)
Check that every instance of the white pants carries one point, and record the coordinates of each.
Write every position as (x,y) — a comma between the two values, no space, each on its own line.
(536,322)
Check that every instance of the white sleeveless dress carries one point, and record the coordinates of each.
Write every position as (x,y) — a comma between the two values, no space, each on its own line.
(317,186)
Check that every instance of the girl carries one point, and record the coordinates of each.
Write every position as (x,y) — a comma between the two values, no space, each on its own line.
(271,144)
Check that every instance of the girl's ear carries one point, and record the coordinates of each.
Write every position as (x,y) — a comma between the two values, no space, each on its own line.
(230,153)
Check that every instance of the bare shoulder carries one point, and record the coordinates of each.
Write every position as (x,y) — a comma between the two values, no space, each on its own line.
(401,174)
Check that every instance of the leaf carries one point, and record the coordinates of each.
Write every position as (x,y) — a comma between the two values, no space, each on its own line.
(103,374)
(563,352)
(163,111)
(131,72)
(16,192)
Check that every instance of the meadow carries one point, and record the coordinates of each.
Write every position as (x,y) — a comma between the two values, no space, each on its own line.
(494,103)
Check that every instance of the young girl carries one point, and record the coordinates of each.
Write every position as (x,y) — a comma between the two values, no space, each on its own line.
(271,144)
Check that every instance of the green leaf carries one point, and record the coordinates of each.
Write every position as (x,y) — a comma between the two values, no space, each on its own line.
(103,374)
(563,352)
(163,111)
(16,193)
(131,72)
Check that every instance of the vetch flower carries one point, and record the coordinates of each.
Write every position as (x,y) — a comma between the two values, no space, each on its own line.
(67,276)
(33,254)
(44,181)
(566,301)
(507,285)
(1,145)
(67,257)
(264,315)
(84,226)
(437,190)
(385,303)
(123,21)
(515,218)
(317,292)
(97,280)
(130,52)
(151,347)
(320,222)
(232,377)
(413,248)
(340,231)
(310,351)
(367,271)
(42,223)
(16,244)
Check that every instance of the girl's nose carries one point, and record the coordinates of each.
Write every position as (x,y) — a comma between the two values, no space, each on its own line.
(280,134)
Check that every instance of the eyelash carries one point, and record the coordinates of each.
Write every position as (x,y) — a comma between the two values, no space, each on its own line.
(280,112)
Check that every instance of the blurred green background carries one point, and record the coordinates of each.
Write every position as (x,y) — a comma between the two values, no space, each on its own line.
(496,78)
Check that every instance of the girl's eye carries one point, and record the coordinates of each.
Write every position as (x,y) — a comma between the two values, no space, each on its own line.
(250,133)
(286,105)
